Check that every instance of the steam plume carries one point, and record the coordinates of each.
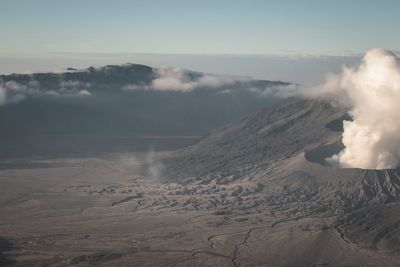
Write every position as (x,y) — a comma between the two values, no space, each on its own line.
(372,92)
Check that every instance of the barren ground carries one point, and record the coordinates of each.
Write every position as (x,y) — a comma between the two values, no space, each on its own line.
(97,211)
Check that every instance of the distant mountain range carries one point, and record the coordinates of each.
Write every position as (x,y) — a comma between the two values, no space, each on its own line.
(123,100)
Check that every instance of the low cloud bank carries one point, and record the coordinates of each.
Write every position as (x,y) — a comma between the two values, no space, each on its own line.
(181,80)
(14,92)
(176,79)
(276,91)
(371,92)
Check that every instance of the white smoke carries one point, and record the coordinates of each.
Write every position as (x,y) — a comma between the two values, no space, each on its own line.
(146,164)
(372,93)
(154,167)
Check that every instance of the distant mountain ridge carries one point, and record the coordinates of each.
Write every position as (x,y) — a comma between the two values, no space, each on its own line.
(114,76)
(124,100)
(109,75)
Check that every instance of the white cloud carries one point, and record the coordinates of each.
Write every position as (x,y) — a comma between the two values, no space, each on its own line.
(11,92)
(176,79)
(14,92)
(73,85)
(277,91)
(180,80)
(84,93)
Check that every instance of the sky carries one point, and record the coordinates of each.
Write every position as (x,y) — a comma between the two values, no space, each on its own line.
(55,31)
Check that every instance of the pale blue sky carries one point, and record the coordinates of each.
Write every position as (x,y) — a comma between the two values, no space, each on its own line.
(257,35)
(29,27)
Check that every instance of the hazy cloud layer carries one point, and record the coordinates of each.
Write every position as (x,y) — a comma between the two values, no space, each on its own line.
(176,79)
(14,92)
(276,91)
(372,93)
(8,96)
(181,80)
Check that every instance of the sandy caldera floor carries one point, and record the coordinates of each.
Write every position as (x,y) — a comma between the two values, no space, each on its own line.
(100,211)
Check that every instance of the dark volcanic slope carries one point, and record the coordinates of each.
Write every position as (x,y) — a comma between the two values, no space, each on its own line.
(272,133)
(275,159)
